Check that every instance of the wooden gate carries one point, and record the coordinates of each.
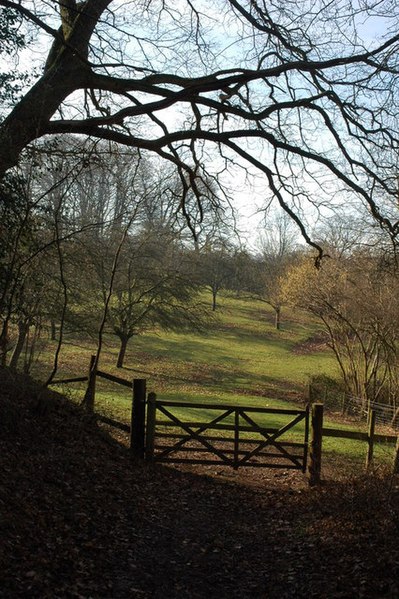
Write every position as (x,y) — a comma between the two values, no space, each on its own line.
(233,436)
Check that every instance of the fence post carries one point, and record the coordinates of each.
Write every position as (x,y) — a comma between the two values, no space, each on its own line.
(310,392)
(236,438)
(370,437)
(396,458)
(137,430)
(88,400)
(315,443)
(151,420)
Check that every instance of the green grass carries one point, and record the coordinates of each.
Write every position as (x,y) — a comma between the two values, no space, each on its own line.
(240,360)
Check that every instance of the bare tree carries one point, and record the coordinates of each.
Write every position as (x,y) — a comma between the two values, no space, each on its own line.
(296,93)
(20,232)
(277,248)
(356,300)
(215,267)
(260,274)
(342,235)
(153,288)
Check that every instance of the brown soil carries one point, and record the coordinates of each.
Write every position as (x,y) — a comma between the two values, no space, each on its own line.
(80,519)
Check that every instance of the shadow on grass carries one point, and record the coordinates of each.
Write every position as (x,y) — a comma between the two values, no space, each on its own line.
(228,380)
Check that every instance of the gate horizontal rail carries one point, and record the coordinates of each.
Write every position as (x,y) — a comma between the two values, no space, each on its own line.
(220,406)
(253,445)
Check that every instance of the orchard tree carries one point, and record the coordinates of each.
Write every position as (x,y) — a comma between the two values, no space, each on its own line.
(260,275)
(300,95)
(215,267)
(356,300)
(153,288)
(277,251)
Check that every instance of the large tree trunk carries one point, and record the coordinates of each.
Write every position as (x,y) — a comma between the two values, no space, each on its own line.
(66,71)
(30,117)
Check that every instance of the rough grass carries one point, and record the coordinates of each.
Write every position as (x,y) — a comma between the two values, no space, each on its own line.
(240,359)
(240,354)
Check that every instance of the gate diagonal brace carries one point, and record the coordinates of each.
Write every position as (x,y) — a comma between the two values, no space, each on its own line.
(271,439)
(192,434)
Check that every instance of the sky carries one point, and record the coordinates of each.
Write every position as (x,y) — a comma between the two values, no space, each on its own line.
(250,199)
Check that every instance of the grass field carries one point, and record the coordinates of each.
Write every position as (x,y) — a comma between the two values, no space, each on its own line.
(240,359)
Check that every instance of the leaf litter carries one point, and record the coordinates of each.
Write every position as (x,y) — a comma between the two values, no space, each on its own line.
(79,518)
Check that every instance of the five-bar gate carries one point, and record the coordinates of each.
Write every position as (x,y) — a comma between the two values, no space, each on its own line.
(236,436)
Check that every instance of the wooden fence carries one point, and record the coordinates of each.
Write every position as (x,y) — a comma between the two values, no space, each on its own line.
(370,438)
(142,434)
(136,429)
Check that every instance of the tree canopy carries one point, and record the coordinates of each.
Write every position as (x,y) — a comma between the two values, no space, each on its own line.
(300,95)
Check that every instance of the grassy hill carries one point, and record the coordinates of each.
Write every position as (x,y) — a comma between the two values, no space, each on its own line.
(240,357)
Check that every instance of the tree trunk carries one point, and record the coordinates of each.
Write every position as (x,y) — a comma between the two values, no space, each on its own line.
(4,343)
(122,351)
(89,397)
(53,331)
(66,71)
(277,320)
(23,328)
(31,116)
(214,294)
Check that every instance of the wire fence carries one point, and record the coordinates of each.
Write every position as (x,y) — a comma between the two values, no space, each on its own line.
(335,399)
(386,415)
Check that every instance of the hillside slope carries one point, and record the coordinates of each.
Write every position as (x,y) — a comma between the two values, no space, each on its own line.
(240,358)
(79,518)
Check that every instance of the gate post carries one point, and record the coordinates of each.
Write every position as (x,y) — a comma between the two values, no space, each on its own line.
(315,444)
(396,458)
(151,420)
(137,429)
(236,438)
(370,438)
